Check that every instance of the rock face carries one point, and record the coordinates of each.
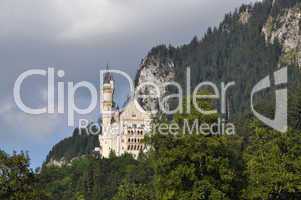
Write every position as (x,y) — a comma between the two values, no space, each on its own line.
(62,162)
(286,28)
(245,16)
(156,71)
(56,163)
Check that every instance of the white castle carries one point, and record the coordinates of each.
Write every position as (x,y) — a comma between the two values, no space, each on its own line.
(122,131)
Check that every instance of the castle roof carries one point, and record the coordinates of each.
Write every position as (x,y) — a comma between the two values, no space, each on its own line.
(108,76)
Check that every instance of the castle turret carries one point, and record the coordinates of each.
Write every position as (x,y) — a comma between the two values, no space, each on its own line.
(106,140)
(107,102)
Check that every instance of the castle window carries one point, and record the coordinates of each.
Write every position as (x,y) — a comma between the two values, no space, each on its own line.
(133,115)
(129,140)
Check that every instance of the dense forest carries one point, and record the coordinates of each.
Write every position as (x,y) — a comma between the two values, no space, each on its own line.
(256,163)
(233,51)
(264,165)
(79,144)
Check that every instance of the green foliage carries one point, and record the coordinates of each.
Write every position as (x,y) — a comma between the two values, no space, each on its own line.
(257,164)
(230,52)
(273,165)
(194,166)
(75,146)
(91,178)
(193,114)
(17,180)
(267,166)
(294,108)
(132,191)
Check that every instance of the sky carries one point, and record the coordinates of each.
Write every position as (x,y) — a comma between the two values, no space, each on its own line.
(81,37)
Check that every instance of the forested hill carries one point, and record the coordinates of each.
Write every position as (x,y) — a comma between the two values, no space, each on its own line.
(73,147)
(248,44)
(256,163)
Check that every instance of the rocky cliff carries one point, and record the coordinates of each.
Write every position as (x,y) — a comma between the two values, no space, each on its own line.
(157,71)
(286,28)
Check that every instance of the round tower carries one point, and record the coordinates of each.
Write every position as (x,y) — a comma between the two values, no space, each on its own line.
(107,103)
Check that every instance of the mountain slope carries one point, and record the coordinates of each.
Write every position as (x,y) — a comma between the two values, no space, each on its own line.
(240,49)
(248,44)
(73,147)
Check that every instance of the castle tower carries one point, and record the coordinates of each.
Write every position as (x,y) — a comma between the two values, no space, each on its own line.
(107,102)
(106,139)
(122,132)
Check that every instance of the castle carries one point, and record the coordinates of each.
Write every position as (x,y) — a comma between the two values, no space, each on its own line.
(122,131)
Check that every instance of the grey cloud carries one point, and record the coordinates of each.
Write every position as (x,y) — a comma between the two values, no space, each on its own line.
(81,37)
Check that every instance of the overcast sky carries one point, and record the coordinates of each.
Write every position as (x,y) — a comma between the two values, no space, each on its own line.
(81,37)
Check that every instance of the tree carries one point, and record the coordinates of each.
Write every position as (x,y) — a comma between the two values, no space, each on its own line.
(17,180)
(194,166)
(273,165)
(131,191)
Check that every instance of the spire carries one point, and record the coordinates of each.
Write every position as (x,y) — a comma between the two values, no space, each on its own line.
(107,76)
